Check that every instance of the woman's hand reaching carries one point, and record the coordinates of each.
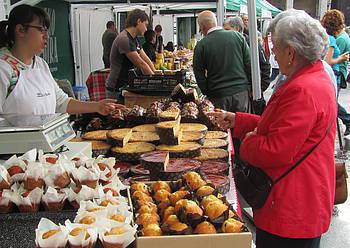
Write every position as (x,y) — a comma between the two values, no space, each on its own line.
(223,119)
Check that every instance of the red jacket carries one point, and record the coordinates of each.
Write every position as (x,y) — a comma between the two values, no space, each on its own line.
(296,118)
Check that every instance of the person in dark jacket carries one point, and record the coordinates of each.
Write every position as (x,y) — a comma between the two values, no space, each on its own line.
(221,64)
(149,46)
(107,41)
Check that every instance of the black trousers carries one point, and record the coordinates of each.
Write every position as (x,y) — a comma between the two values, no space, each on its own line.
(268,240)
(238,102)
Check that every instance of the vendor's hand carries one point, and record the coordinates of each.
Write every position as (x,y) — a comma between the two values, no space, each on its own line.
(223,119)
(106,106)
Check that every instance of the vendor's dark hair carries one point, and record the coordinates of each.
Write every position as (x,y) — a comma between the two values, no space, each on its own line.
(134,16)
(22,14)
(149,34)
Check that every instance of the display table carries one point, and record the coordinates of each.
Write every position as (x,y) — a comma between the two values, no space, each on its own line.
(96,84)
(131,99)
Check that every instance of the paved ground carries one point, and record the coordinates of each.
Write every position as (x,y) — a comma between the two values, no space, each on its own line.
(338,233)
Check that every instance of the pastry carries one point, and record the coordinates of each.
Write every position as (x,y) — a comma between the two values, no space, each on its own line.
(232,226)
(221,183)
(215,143)
(152,230)
(184,150)
(193,127)
(145,128)
(155,161)
(205,227)
(151,137)
(213,154)
(96,135)
(216,135)
(189,136)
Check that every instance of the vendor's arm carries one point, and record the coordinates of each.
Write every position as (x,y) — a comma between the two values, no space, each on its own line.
(287,132)
(147,60)
(137,60)
(103,107)
(198,68)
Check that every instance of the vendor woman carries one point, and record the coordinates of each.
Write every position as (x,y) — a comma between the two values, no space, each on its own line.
(26,84)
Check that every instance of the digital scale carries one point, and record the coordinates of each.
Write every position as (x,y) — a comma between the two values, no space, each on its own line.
(21,133)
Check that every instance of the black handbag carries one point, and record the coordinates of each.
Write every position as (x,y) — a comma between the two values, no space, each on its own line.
(254,184)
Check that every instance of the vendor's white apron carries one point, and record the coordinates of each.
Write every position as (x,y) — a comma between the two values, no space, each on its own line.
(34,94)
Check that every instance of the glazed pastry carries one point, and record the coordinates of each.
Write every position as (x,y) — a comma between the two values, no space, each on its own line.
(232,226)
(140,187)
(215,209)
(146,219)
(205,227)
(161,185)
(152,230)
(205,191)
(161,195)
(87,220)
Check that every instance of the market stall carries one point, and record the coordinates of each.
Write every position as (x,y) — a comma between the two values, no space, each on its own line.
(171,143)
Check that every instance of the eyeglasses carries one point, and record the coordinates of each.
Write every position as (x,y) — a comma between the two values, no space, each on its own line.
(39,28)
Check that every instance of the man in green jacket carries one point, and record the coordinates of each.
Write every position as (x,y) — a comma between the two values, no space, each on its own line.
(221,65)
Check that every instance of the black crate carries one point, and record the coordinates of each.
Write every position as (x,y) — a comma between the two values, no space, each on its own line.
(139,82)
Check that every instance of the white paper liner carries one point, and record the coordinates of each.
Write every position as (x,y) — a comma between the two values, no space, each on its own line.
(118,200)
(80,239)
(82,160)
(34,170)
(82,174)
(86,193)
(52,196)
(5,198)
(14,160)
(30,155)
(104,174)
(96,215)
(85,206)
(119,209)
(42,157)
(52,172)
(34,197)
(58,240)
(124,239)
(4,175)
(116,183)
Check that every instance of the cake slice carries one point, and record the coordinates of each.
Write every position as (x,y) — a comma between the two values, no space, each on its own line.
(168,130)
(119,137)
(170,114)
(155,161)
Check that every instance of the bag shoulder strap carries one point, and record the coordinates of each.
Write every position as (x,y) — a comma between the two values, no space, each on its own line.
(301,159)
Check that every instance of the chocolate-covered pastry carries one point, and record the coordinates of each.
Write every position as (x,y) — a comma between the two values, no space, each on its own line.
(94,124)
(189,112)
(135,116)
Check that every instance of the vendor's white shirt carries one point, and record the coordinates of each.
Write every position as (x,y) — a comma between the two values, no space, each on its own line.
(7,72)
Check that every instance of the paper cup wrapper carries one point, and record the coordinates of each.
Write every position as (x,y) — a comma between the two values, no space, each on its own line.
(81,240)
(58,240)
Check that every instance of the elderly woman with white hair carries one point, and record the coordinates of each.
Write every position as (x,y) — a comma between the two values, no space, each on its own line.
(298,124)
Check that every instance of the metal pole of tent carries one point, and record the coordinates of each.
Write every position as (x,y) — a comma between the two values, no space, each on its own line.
(220,12)
(254,57)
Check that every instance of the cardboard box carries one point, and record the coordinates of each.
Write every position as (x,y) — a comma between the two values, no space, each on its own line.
(220,240)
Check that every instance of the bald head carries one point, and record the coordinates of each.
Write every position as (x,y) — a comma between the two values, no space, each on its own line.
(206,21)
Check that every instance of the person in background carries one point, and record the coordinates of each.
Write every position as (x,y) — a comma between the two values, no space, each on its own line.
(285,132)
(169,46)
(343,42)
(107,40)
(26,84)
(221,64)
(246,24)
(149,45)
(127,54)
(236,24)
(159,40)
(331,21)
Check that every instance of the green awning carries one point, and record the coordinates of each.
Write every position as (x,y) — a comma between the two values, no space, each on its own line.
(235,5)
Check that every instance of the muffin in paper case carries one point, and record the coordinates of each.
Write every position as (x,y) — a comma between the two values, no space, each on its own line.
(89,219)
(34,176)
(108,199)
(6,204)
(57,176)
(119,214)
(90,206)
(84,176)
(115,183)
(81,194)
(5,179)
(53,200)
(81,236)
(49,235)
(51,160)
(26,201)
(117,236)
(80,160)
(16,168)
